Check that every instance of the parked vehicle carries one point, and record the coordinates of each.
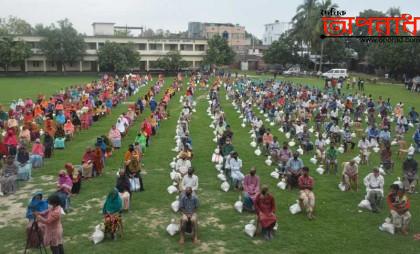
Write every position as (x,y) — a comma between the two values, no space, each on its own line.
(292,71)
(336,73)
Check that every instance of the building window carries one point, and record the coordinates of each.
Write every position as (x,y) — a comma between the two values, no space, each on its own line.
(141,46)
(101,44)
(91,45)
(225,35)
(36,63)
(199,47)
(186,47)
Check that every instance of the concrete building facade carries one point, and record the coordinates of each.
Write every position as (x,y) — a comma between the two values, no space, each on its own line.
(273,31)
(191,50)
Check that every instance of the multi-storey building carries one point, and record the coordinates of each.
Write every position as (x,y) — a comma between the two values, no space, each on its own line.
(191,50)
(273,31)
(234,34)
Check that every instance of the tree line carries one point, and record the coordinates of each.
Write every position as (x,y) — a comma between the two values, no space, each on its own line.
(63,45)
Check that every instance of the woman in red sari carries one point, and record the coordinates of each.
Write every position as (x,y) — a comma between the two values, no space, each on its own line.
(98,163)
(265,208)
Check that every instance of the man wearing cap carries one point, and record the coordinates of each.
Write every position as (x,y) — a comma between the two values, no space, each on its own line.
(410,176)
(374,183)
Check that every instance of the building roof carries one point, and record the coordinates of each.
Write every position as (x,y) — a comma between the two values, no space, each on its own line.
(103,23)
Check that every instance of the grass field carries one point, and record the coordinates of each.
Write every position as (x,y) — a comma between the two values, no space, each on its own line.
(339,227)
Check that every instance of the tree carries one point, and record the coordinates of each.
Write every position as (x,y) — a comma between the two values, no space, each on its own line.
(283,51)
(324,5)
(172,61)
(14,26)
(13,52)
(63,44)
(219,52)
(117,57)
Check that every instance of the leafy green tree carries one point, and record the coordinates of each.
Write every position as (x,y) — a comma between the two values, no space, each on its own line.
(13,52)
(282,51)
(219,52)
(172,61)
(62,44)
(14,26)
(117,57)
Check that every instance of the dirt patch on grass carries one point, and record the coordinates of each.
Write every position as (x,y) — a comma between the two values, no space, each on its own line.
(211,247)
(223,206)
(211,220)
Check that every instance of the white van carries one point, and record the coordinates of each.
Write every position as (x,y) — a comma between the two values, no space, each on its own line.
(336,73)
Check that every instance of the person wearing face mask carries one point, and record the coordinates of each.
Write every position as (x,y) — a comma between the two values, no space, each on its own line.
(265,207)
(251,189)
(190,180)
(294,167)
(188,206)
(374,183)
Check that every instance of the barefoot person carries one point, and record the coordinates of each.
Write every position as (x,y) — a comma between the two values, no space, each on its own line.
(188,206)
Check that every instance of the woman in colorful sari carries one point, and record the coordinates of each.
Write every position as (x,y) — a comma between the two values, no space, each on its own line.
(98,163)
(25,135)
(112,212)
(11,141)
(69,129)
(51,222)
(40,206)
(265,208)
(8,176)
(24,164)
(76,177)
(115,136)
(251,189)
(37,156)
(87,163)
(64,186)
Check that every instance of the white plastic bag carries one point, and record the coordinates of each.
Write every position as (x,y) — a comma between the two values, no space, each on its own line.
(250,228)
(98,234)
(253,144)
(342,186)
(172,228)
(313,160)
(387,226)
(257,151)
(268,161)
(221,177)
(295,208)
(172,188)
(365,204)
(225,186)
(275,174)
(282,184)
(320,170)
(238,205)
(175,204)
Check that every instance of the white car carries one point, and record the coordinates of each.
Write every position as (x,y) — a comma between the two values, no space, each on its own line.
(336,73)
(293,71)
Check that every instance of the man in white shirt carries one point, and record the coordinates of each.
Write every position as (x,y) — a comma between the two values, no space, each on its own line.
(190,180)
(182,165)
(374,183)
(363,147)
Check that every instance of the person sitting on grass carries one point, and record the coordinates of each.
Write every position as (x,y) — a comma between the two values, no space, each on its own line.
(399,205)
(331,159)
(235,166)
(410,174)
(294,166)
(115,136)
(306,196)
(265,207)
(251,189)
(188,206)
(112,212)
(351,175)
(374,183)
(8,177)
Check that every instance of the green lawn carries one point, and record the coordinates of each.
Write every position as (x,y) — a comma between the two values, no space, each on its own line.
(339,227)
(24,87)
